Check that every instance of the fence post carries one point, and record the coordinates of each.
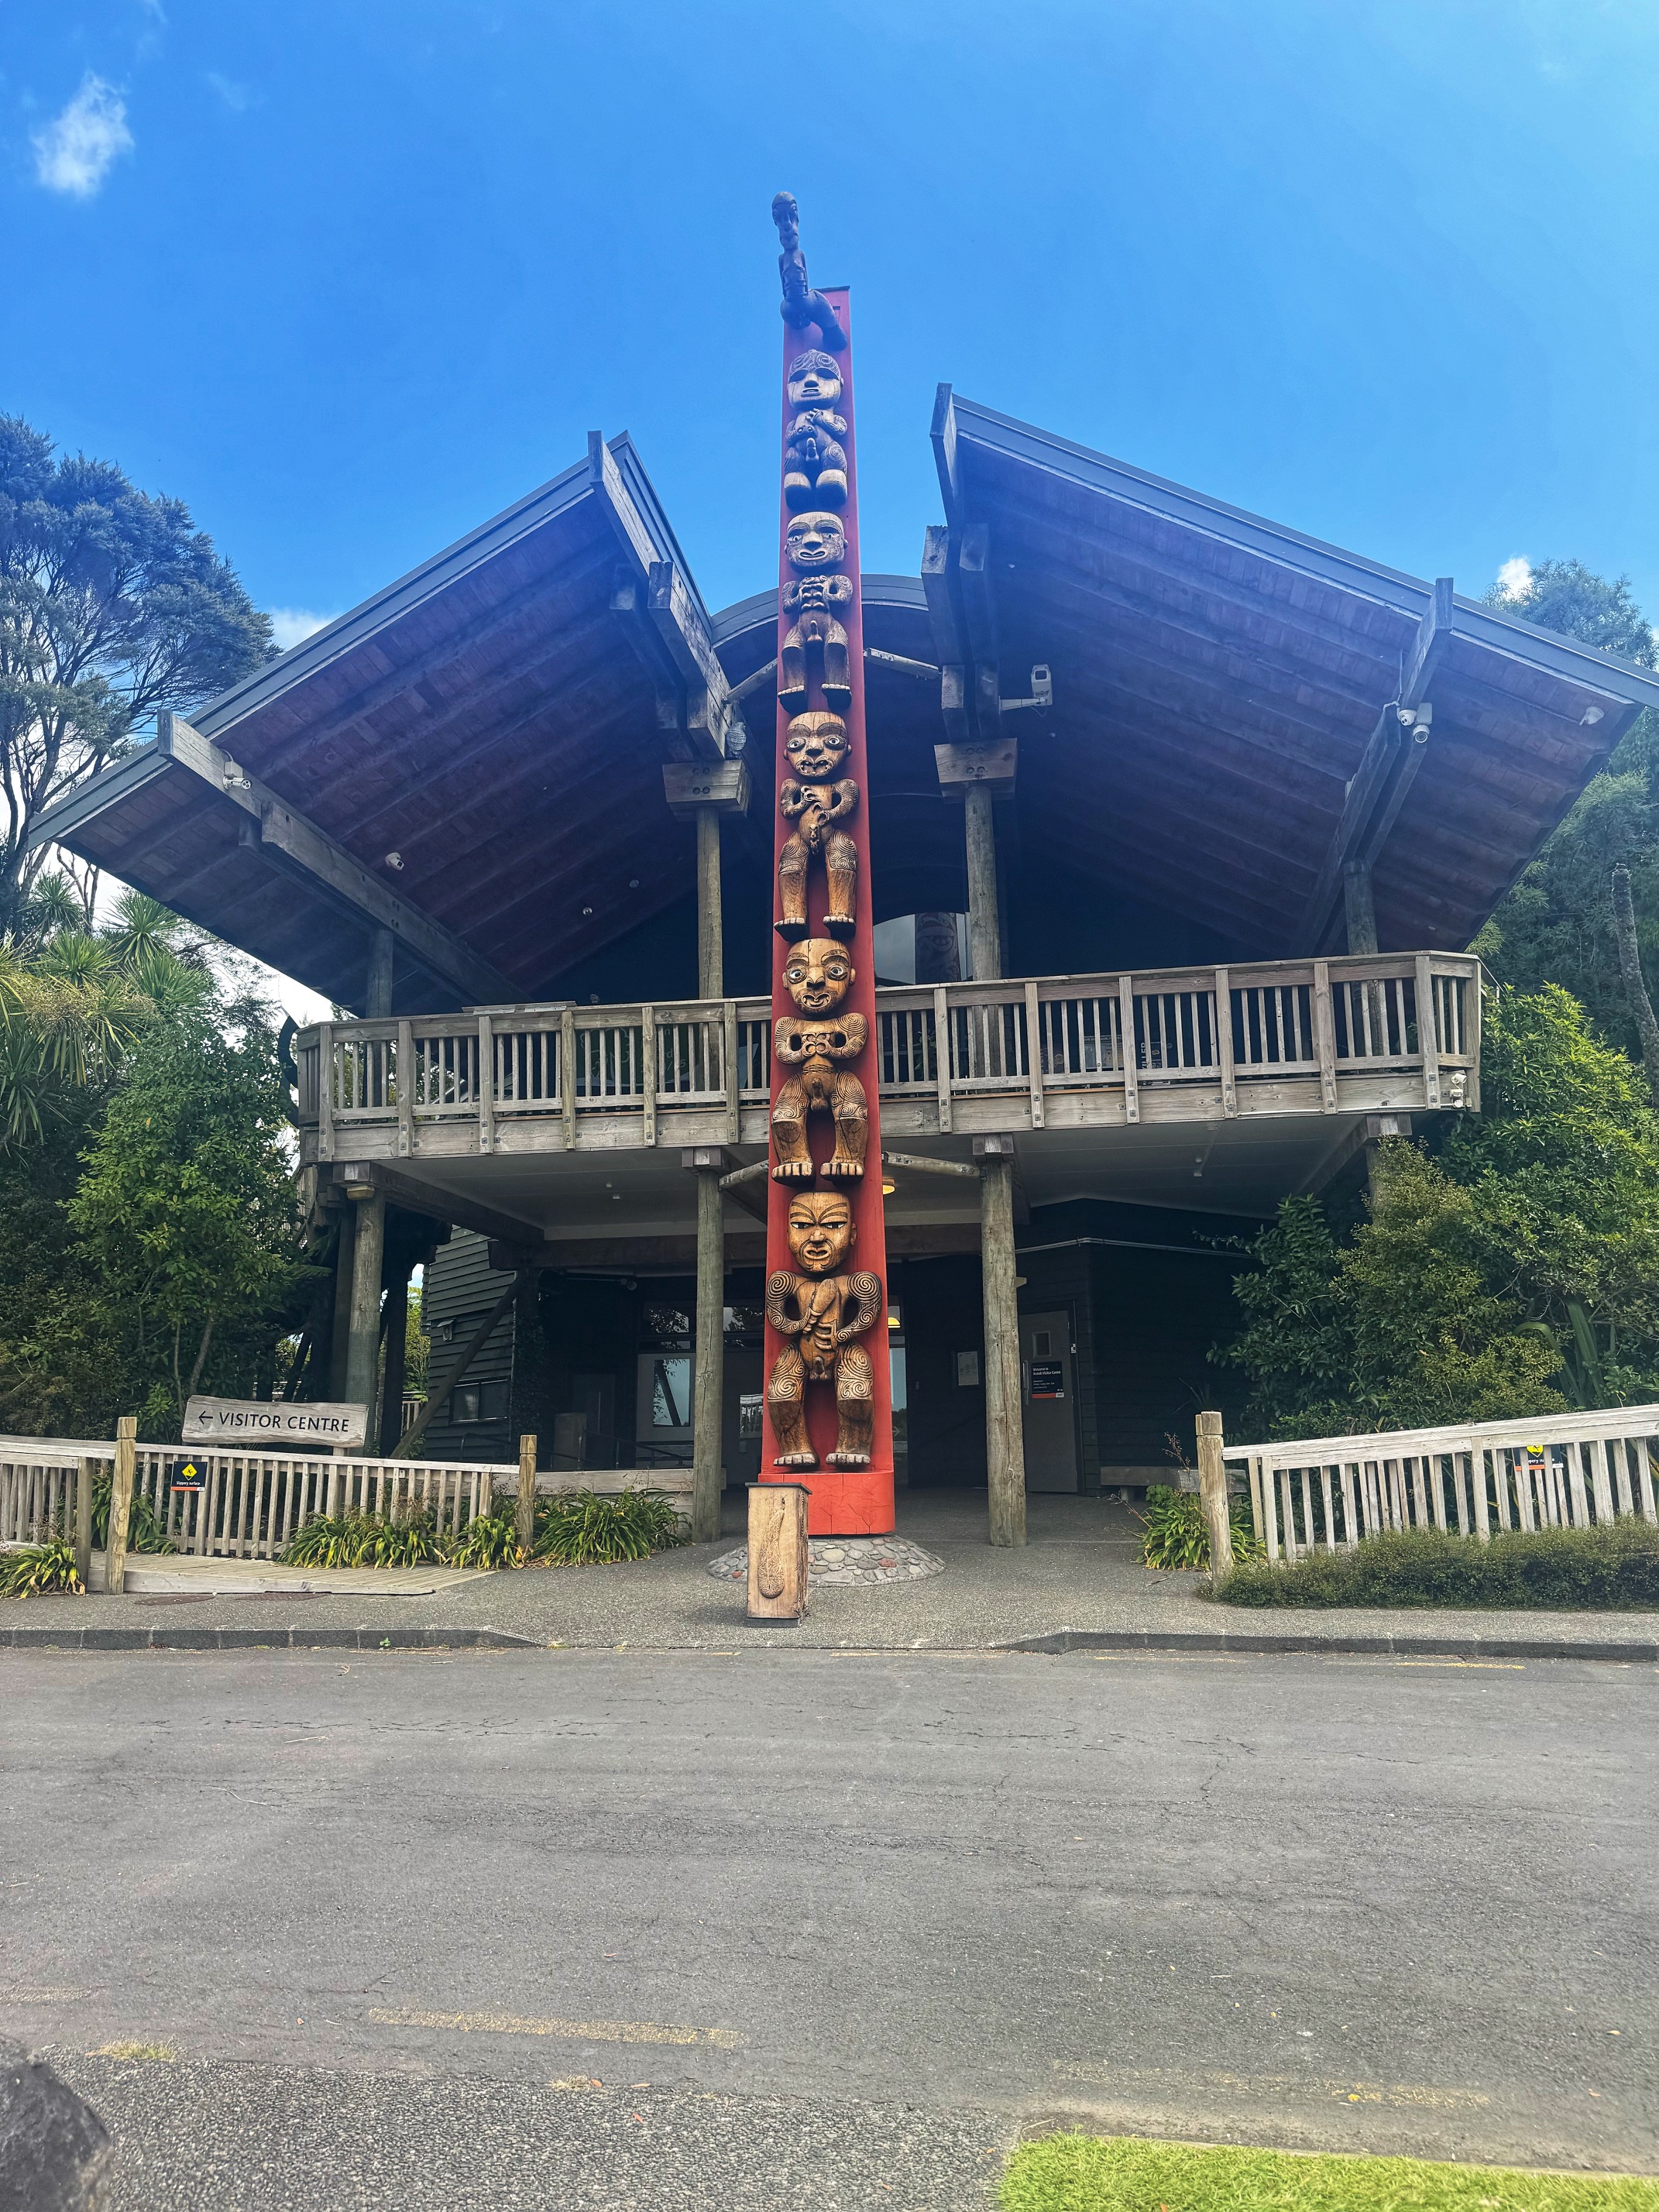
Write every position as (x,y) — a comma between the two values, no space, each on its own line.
(526,1523)
(1212,1495)
(83,1523)
(120,1504)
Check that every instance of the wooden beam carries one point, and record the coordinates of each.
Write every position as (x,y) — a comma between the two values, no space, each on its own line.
(948,641)
(979,619)
(289,840)
(1433,636)
(680,619)
(418,1196)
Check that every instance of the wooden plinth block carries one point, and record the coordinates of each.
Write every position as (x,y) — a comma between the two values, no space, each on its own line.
(777,1551)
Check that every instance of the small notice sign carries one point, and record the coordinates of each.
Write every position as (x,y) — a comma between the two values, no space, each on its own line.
(257,1421)
(1047,1378)
(187,1474)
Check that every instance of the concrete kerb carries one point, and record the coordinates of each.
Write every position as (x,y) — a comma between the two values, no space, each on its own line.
(365,1639)
(1064,1640)
(1057,1643)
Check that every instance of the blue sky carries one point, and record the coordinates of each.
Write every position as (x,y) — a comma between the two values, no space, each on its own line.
(349,278)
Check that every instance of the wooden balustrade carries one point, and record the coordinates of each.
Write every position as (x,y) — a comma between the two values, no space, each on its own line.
(1292,1037)
(1570,1470)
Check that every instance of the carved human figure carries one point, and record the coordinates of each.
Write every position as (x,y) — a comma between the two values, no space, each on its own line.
(815,460)
(817,745)
(801,305)
(815,1046)
(821,1312)
(816,545)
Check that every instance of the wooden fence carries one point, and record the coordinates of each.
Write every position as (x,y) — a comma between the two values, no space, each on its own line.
(1556,1470)
(255,1502)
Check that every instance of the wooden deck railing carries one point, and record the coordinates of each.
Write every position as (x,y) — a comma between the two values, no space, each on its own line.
(255,1502)
(1291,1036)
(1555,1471)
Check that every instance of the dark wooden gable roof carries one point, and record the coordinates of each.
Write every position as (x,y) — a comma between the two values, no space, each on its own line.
(1217,679)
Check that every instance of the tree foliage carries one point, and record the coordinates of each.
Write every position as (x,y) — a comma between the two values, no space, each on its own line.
(1514,1271)
(1556,926)
(113,604)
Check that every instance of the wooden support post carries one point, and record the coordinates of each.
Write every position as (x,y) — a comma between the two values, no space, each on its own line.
(711,943)
(363,1343)
(1005,1438)
(345,1253)
(1357,906)
(984,930)
(524,1520)
(778,1552)
(377,999)
(1212,1495)
(709,1382)
(397,1353)
(120,1504)
(83,1522)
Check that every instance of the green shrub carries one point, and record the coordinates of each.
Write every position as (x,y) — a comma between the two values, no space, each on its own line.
(1613,1567)
(364,1539)
(581,1530)
(491,1540)
(145,1531)
(1176,1533)
(37,1568)
(1122,2173)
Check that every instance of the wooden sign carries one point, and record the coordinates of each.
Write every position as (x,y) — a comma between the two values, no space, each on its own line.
(258,1421)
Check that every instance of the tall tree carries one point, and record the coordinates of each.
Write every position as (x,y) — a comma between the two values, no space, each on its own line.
(1559,924)
(113,604)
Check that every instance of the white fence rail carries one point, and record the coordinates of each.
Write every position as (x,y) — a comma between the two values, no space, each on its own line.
(255,1502)
(1244,1031)
(1556,1470)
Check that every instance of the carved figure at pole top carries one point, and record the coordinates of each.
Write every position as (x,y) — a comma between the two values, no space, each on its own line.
(802,305)
(817,804)
(814,1045)
(815,545)
(815,460)
(821,1312)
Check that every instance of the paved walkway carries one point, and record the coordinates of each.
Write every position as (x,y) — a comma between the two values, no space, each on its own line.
(1078,1581)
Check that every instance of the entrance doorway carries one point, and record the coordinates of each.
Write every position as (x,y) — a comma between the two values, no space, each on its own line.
(1047,1384)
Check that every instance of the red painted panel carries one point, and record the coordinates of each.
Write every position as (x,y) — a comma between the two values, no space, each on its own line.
(854,1502)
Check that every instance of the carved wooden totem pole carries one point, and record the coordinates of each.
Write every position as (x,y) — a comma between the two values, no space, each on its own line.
(828,1409)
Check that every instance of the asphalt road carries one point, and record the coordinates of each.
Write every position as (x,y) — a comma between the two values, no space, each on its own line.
(615,1929)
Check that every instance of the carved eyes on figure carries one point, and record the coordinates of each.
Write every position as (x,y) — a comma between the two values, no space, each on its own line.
(814,378)
(816,742)
(815,542)
(820,1230)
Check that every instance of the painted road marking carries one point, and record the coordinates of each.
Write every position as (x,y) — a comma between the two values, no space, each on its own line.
(583,2031)
(1278,2086)
(39,1997)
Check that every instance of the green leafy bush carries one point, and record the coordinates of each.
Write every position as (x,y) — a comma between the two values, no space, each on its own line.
(38,1568)
(581,1530)
(365,1540)
(489,1541)
(144,1530)
(1176,1534)
(1613,1567)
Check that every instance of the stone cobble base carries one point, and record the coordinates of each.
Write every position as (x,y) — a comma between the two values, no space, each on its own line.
(855,1560)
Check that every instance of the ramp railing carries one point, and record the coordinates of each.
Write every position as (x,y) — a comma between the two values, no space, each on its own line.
(1570,1470)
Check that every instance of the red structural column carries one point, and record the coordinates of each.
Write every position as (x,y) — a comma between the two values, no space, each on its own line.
(844,1502)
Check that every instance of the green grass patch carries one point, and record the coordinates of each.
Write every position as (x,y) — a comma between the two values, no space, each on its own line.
(1122,2173)
(1613,1568)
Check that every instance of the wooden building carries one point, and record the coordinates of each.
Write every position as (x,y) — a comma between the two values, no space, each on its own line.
(1182,823)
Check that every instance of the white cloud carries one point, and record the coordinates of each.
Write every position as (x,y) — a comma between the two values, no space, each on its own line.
(1515,578)
(73,153)
(235,96)
(291,626)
